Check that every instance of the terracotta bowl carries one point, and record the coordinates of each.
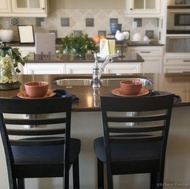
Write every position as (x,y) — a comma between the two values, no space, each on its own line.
(36,89)
(130,87)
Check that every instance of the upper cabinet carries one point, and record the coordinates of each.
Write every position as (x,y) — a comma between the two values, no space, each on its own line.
(5,7)
(143,8)
(24,8)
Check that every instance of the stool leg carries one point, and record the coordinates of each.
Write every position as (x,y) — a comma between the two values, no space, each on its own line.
(20,182)
(76,181)
(155,181)
(100,174)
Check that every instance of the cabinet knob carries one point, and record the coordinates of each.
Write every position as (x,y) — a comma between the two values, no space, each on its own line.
(43,8)
(131,8)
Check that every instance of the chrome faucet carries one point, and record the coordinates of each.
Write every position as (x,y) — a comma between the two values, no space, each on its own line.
(98,70)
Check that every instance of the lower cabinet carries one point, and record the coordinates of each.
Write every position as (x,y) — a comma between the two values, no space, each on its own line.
(123,68)
(44,68)
(152,55)
(78,68)
(176,69)
(176,63)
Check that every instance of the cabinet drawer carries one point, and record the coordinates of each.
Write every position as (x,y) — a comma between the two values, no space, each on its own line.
(175,61)
(176,69)
(147,51)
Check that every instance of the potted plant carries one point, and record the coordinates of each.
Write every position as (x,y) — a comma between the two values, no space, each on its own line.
(9,62)
(78,45)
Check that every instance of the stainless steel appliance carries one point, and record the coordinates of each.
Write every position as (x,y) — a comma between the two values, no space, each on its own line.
(178,43)
(182,2)
(178,20)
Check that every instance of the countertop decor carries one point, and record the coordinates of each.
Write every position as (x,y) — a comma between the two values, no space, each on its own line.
(9,60)
(65,58)
(78,45)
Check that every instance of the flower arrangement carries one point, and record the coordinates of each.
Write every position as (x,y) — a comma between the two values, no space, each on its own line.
(9,61)
(7,75)
(17,57)
(78,45)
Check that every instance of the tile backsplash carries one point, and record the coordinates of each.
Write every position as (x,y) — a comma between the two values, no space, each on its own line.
(90,21)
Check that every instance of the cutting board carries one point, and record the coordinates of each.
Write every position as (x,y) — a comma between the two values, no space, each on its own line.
(45,43)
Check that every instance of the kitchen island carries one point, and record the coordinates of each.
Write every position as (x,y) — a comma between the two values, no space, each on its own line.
(68,64)
(87,125)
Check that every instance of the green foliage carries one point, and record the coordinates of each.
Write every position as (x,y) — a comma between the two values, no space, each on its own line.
(79,45)
(17,57)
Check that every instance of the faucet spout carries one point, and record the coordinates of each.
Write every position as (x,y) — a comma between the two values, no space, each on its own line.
(104,64)
(98,70)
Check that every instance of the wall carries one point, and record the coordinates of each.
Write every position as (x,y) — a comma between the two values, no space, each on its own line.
(59,13)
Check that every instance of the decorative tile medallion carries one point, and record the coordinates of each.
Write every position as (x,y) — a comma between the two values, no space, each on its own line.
(53,31)
(102,32)
(39,20)
(65,22)
(89,22)
(114,20)
(139,21)
(77,32)
(149,33)
(14,21)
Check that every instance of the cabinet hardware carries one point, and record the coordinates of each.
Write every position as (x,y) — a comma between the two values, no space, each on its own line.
(178,37)
(186,60)
(145,51)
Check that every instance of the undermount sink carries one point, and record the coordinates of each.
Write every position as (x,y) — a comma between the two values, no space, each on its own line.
(106,80)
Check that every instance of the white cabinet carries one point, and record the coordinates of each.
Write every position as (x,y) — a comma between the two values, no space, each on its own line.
(143,8)
(176,63)
(87,68)
(153,58)
(5,6)
(78,68)
(36,8)
(44,68)
(123,68)
(24,8)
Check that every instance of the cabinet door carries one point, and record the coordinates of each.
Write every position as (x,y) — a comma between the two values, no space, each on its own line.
(30,7)
(5,6)
(152,65)
(153,57)
(123,68)
(79,68)
(44,68)
(145,8)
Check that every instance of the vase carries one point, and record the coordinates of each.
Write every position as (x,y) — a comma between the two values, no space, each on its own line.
(8,75)
(114,27)
(79,53)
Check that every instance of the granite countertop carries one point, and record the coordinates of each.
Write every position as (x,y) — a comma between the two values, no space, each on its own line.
(127,58)
(127,43)
(174,83)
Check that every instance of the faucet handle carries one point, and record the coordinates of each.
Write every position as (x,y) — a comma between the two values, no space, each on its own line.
(109,58)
